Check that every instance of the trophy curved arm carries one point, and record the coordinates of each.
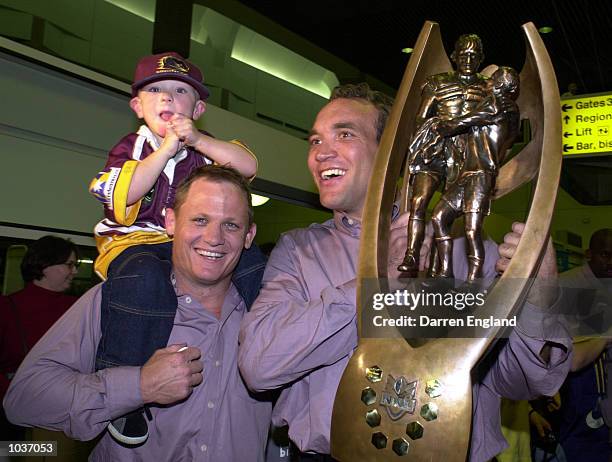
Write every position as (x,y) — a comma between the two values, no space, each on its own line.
(524,166)
(539,102)
(428,58)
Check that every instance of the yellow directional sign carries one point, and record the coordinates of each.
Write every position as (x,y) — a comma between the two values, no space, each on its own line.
(587,124)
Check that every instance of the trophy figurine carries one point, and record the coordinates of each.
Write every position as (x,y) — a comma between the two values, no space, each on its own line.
(413,397)
(466,123)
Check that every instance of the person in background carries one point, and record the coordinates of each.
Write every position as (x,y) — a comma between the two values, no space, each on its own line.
(586,408)
(47,269)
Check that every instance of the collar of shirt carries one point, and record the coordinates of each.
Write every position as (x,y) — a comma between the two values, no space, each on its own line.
(152,140)
(232,301)
(352,226)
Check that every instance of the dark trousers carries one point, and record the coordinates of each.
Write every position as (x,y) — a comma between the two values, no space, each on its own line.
(139,302)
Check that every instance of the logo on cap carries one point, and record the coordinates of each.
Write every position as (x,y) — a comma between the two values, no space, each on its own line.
(171,64)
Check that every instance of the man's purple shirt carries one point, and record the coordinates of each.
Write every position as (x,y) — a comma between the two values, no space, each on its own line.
(301,332)
(57,388)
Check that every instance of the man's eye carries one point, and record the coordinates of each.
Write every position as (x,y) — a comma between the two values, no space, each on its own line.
(232,226)
(346,135)
(153,89)
(200,221)
(181,90)
(314,141)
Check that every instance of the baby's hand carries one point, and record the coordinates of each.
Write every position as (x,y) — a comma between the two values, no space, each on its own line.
(172,143)
(185,129)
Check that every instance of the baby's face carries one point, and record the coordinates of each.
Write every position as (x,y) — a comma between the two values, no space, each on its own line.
(157,102)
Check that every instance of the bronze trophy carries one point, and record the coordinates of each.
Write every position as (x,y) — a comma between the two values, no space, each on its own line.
(412,396)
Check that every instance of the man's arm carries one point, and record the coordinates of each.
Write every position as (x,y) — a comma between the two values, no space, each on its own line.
(287,333)
(56,386)
(587,351)
(545,290)
(536,358)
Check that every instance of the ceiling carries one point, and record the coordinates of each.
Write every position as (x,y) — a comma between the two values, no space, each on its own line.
(371,34)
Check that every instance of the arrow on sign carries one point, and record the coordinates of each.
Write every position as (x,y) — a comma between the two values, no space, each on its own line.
(567,119)
(567,135)
(567,147)
(565,107)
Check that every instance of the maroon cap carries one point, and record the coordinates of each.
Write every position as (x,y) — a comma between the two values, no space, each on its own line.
(168,66)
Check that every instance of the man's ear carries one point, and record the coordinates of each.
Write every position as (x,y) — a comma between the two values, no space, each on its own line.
(588,254)
(199,109)
(136,106)
(250,235)
(170,221)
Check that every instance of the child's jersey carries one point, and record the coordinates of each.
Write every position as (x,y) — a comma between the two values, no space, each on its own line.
(144,221)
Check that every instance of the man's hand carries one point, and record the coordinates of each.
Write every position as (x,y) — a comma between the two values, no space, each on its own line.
(544,290)
(170,375)
(553,403)
(185,129)
(541,425)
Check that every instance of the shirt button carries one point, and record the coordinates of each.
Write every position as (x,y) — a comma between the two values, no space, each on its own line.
(188,299)
(211,405)
(203,448)
(350,221)
(217,363)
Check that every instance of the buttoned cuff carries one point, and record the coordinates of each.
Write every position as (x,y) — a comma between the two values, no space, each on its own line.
(545,377)
(122,390)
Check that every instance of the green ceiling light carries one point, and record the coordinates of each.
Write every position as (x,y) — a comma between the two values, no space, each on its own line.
(258,200)
(144,9)
(545,30)
(272,58)
(407,50)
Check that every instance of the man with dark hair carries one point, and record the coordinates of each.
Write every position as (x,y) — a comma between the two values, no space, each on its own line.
(301,331)
(585,417)
(211,419)
(363,91)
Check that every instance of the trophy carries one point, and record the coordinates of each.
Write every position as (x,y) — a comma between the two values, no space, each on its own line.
(413,397)
(466,124)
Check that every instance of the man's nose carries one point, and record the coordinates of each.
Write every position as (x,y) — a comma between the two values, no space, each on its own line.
(325,151)
(213,235)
